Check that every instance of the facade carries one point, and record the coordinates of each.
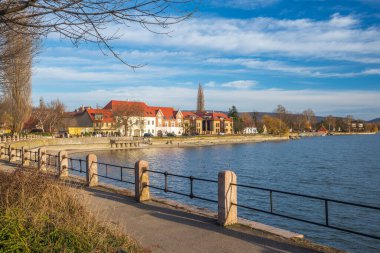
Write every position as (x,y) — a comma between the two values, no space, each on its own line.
(250,130)
(216,123)
(103,121)
(207,123)
(192,123)
(357,126)
(137,118)
(169,121)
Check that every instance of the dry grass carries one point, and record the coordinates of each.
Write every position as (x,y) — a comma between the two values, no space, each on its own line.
(38,215)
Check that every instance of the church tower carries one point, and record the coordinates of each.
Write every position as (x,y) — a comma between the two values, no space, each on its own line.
(200,99)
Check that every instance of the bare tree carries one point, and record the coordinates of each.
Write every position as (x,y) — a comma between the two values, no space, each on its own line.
(15,76)
(56,112)
(128,116)
(91,20)
(331,122)
(310,118)
(247,120)
(41,115)
(348,121)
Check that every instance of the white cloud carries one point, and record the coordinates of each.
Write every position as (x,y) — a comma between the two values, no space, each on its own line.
(338,36)
(240,84)
(322,72)
(243,4)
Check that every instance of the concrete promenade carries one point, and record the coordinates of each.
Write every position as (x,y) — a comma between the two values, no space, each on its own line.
(161,228)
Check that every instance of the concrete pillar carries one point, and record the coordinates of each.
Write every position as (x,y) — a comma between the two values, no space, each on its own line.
(24,157)
(227,198)
(63,164)
(12,154)
(92,170)
(142,181)
(42,158)
(2,151)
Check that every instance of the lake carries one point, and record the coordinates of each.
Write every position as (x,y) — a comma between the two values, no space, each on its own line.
(338,167)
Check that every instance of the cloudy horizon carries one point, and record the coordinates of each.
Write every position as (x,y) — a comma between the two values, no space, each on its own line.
(251,54)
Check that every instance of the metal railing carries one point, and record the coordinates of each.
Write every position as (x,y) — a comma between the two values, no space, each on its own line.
(191,179)
(71,166)
(107,166)
(325,202)
(79,165)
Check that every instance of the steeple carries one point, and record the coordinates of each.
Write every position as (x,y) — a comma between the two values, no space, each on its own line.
(200,99)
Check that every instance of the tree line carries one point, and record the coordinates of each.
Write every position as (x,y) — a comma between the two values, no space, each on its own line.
(282,121)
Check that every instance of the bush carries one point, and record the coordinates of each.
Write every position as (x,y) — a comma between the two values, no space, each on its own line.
(37,214)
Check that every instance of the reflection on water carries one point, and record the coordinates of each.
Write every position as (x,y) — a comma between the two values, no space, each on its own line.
(338,167)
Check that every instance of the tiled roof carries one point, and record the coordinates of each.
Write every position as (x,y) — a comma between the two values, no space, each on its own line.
(116,105)
(190,114)
(168,112)
(214,115)
(107,114)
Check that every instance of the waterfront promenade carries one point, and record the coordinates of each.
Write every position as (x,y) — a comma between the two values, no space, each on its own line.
(164,228)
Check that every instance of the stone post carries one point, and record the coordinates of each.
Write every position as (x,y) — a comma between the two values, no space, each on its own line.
(2,151)
(12,154)
(227,198)
(42,159)
(63,163)
(142,181)
(92,170)
(24,157)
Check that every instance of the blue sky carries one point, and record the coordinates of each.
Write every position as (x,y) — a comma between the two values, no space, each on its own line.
(254,54)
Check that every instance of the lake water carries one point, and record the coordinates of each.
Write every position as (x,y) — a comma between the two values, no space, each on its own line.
(338,167)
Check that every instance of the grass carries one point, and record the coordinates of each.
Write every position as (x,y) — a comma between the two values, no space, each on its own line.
(37,214)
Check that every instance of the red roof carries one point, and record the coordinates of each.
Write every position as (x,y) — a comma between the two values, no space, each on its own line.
(107,114)
(168,112)
(190,114)
(322,129)
(214,115)
(116,105)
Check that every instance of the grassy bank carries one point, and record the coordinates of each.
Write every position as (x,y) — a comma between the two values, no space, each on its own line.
(37,214)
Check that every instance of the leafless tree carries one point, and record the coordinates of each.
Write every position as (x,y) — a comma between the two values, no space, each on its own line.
(310,118)
(15,76)
(129,116)
(331,122)
(91,20)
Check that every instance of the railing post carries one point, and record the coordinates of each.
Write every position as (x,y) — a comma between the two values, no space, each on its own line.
(24,157)
(227,198)
(12,153)
(2,151)
(63,163)
(92,170)
(142,181)
(42,159)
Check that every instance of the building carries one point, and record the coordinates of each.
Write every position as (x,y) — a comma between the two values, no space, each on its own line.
(133,118)
(86,120)
(357,126)
(250,130)
(215,123)
(168,121)
(140,118)
(192,123)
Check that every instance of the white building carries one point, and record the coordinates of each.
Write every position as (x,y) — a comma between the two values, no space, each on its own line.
(250,130)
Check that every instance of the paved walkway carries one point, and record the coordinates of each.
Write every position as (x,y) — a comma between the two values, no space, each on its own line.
(161,228)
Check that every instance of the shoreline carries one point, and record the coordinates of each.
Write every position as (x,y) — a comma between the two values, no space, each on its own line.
(182,143)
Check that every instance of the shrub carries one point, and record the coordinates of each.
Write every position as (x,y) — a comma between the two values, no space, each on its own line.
(37,214)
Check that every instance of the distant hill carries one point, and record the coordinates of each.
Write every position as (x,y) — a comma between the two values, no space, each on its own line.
(377,120)
(261,114)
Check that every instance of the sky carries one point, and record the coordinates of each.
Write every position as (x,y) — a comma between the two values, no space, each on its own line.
(254,54)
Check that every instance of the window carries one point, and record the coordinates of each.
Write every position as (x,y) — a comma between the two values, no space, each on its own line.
(172,124)
(152,131)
